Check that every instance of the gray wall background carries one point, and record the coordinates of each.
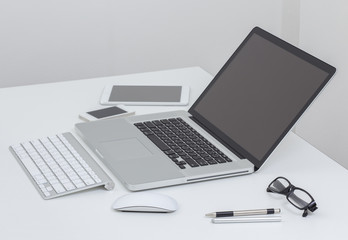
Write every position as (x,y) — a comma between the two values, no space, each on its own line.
(48,41)
(323,32)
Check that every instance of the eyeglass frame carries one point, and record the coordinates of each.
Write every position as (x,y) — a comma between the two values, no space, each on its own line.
(311,206)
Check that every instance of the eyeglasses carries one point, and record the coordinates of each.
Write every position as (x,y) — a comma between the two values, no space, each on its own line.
(298,197)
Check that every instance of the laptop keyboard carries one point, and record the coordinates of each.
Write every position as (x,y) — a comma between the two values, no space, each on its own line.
(181,143)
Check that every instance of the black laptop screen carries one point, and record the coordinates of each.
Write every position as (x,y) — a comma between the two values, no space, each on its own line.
(259,94)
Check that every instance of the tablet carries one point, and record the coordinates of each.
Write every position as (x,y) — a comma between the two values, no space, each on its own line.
(145,95)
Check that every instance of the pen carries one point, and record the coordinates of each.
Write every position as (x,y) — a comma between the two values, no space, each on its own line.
(247,219)
(243,213)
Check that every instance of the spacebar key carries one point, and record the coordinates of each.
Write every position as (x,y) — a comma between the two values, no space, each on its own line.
(158,142)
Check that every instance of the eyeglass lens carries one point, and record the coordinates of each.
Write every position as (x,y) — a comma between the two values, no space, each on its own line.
(279,185)
(299,198)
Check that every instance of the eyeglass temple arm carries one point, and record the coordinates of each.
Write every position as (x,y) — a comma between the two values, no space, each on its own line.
(312,206)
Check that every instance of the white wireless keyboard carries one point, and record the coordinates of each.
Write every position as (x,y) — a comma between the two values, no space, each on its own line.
(59,165)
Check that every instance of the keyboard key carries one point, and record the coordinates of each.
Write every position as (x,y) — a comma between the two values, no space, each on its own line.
(181,163)
(182,166)
(161,145)
(147,133)
(69,186)
(201,162)
(140,125)
(173,156)
(150,124)
(220,159)
(169,152)
(190,161)
(157,123)
(88,180)
(27,161)
(181,153)
(211,162)
(58,188)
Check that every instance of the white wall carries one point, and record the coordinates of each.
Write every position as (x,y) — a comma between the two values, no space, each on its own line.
(324,33)
(151,35)
(291,21)
(47,41)
(44,40)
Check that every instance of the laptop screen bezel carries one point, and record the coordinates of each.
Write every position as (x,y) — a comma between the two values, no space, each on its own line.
(230,143)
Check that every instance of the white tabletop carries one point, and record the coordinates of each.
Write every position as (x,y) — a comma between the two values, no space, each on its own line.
(30,112)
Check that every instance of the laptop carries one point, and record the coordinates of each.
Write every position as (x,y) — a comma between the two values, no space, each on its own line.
(230,130)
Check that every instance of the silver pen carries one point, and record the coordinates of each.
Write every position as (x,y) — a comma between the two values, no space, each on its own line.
(247,219)
(243,213)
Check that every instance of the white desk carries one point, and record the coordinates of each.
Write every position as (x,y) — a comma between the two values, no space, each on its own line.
(31,112)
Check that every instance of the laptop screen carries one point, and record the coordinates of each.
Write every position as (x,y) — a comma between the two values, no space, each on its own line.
(259,94)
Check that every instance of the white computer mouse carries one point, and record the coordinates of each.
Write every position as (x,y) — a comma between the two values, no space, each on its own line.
(145,202)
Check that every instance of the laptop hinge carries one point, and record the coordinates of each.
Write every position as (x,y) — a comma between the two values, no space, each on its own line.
(217,138)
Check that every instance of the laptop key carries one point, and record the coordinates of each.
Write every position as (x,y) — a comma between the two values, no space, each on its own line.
(195,157)
(161,135)
(173,156)
(140,125)
(159,143)
(190,161)
(173,120)
(146,133)
(169,152)
(211,162)
(226,158)
(157,122)
(189,151)
(150,124)
(181,153)
(164,121)
(201,162)
(184,147)
(220,159)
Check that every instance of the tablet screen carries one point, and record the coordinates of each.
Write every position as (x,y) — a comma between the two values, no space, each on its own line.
(129,93)
(106,112)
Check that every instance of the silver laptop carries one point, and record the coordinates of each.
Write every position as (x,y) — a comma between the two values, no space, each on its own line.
(230,130)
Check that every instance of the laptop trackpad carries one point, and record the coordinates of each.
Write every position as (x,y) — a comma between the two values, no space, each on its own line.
(125,149)
(135,164)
